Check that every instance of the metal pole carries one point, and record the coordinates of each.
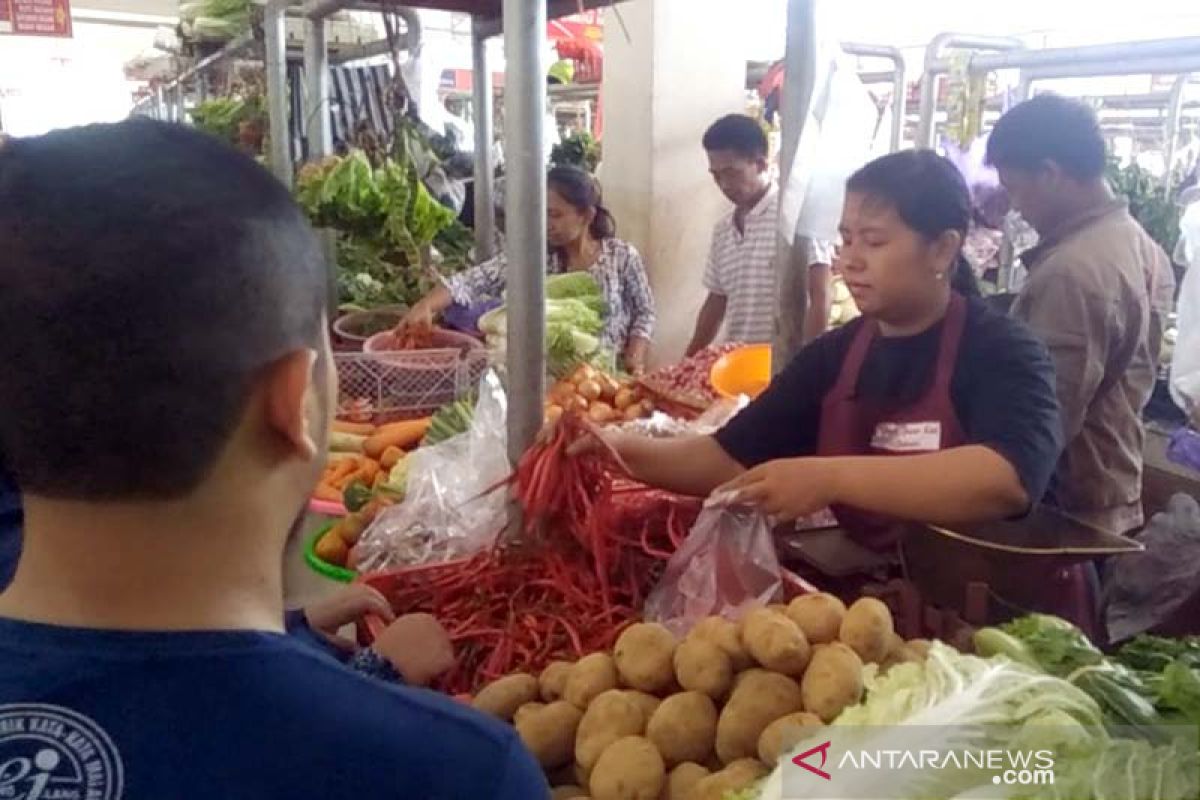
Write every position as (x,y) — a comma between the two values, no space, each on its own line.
(1090,54)
(177,103)
(1156,65)
(316,76)
(799,78)
(275,57)
(525,206)
(934,67)
(159,104)
(1025,86)
(1171,134)
(485,168)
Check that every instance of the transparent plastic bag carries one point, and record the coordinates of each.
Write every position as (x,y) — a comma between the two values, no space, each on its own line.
(446,513)
(1142,590)
(661,426)
(726,566)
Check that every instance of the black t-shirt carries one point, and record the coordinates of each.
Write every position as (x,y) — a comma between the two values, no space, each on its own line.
(1002,390)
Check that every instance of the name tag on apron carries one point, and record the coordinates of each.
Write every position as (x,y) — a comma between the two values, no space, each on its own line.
(907,437)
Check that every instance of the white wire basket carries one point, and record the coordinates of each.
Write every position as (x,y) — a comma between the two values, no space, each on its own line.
(390,386)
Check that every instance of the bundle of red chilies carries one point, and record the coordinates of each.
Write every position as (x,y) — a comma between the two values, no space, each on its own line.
(594,545)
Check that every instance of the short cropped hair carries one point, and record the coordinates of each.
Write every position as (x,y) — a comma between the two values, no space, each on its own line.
(1049,128)
(737,133)
(148,272)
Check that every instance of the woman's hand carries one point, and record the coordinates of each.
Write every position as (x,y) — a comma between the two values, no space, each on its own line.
(635,357)
(418,319)
(787,489)
(348,606)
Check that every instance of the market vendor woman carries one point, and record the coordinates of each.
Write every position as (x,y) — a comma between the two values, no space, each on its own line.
(958,397)
(582,237)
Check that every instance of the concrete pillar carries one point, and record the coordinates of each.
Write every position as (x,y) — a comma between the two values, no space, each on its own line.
(679,69)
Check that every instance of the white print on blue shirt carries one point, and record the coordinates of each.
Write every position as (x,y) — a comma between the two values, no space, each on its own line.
(52,753)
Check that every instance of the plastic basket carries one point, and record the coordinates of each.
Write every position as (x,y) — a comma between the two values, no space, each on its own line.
(746,370)
(388,386)
(322,567)
(351,330)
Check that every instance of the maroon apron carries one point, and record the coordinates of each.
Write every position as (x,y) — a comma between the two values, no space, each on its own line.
(857,426)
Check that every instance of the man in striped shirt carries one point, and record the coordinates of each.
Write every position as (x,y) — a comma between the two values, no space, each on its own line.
(740,276)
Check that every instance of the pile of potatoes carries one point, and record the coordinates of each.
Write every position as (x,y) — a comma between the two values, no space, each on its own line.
(661,719)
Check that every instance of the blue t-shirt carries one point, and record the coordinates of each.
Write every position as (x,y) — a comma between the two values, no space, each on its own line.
(234,715)
(10,528)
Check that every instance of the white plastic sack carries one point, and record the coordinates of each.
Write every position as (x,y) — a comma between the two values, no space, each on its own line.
(445,513)
(837,138)
(1185,363)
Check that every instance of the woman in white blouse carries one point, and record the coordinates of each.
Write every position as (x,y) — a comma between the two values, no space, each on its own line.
(582,238)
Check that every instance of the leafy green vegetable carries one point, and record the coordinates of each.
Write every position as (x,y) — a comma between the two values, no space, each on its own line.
(223,116)
(450,420)
(388,221)
(579,149)
(397,479)
(574,321)
(1064,651)
(1148,203)
(215,19)
(954,702)
(1170,669)
(1148,653)
(356,495)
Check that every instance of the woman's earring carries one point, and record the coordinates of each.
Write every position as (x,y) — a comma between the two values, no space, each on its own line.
(939,275)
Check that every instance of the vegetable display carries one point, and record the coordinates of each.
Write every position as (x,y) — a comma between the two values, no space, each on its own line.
(214,20)
(367,463)
(449,421)
(1170,671)
(578,149)
(601,397)
(638,731)
(1058,648)
(575,311)
(687,382)
(387,221)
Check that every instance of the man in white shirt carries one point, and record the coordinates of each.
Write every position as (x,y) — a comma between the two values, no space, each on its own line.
(740,276)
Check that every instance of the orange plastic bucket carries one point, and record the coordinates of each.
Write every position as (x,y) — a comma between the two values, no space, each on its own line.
(746,370)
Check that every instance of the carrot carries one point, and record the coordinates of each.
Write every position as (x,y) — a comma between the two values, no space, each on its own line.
(341,469)
(391,457)
(357,428)
(368,471)
(404,435)
(326,492)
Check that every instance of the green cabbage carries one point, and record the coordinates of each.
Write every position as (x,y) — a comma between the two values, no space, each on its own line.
(952,701)
(575,311)
(995,704)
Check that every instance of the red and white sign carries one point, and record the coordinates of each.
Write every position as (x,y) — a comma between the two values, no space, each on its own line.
(588,26)
(36,17)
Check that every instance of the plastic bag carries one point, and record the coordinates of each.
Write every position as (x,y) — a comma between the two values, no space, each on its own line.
(446,513)
(838,136)
(662,426)
(726,566)
(1142,590)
